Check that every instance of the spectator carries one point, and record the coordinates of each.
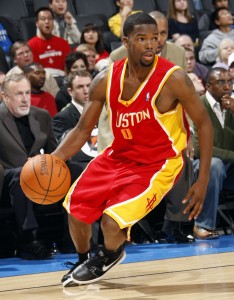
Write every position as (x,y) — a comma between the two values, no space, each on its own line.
(90,53)
(209,48)
(2,77)
(226,47)
(22,56)
(9,33)
(47,49)
(195,67)
(36,75)
(91,34)
(207,20)
(220,107)
(200,70)
(4,66)
(28,132)
(231,69)
(185,41)
(75,61)
(199,87)
(116,21)
(180,21)
(64,23)
(78,87)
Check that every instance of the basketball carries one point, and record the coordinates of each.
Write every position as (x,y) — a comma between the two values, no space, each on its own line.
(45,179)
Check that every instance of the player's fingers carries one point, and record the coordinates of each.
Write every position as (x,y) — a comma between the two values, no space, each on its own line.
(195,211)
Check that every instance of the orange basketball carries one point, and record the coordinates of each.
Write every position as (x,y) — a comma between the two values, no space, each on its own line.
(45,179)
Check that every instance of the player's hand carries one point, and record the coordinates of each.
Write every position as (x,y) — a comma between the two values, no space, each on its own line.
(190,150)
(195,197)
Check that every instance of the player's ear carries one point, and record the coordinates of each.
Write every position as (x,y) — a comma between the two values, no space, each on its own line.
(125,41)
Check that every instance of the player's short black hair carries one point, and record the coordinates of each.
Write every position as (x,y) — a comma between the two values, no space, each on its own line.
(137,19)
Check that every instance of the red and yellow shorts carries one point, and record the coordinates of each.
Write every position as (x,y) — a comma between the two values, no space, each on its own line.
(124,190)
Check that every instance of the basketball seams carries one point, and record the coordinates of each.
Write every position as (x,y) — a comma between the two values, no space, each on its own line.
(47,168)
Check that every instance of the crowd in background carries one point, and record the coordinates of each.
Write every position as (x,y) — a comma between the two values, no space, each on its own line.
(58,64)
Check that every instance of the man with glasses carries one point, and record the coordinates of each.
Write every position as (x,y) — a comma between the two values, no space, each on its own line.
(48,49)
(220,106)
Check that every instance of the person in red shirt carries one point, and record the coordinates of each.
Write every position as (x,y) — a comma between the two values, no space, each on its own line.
(36,75)
(48,50)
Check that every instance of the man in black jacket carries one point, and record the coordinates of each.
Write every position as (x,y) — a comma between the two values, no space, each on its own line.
(65,120)
(25,132)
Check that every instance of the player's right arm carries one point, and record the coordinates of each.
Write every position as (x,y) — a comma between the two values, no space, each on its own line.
(80,134)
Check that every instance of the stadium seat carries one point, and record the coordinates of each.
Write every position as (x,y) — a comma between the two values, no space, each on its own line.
(207,5)
(40,3)
(27,28)
(93,7)
(14,9)
(144,5)
(97,19)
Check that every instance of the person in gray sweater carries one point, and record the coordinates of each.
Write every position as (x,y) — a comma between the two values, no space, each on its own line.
(209,48)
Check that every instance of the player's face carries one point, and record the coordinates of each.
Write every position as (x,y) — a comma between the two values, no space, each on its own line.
(18,98)
(80,89)
(142,44)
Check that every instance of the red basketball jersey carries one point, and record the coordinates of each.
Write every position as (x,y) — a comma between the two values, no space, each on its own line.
(141,132)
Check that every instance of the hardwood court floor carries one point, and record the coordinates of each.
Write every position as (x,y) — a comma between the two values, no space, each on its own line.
(188,278)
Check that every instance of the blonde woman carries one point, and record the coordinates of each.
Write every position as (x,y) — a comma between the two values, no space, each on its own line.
(226,47)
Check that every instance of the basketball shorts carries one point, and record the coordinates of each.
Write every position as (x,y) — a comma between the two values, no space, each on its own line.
(123,189)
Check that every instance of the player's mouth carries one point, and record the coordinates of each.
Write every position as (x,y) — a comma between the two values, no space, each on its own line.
(148,55)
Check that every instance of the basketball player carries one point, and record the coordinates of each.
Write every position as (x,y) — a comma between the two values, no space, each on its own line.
(146,98)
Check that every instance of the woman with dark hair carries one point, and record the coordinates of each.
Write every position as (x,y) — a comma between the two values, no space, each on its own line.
(91,34)
(75,61)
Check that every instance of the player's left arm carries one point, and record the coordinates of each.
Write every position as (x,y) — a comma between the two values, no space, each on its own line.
(183,90)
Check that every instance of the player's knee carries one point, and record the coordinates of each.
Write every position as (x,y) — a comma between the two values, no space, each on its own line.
(109,225)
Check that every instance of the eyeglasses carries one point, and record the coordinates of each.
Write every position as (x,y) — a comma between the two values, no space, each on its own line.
(223,82)
(44,19)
